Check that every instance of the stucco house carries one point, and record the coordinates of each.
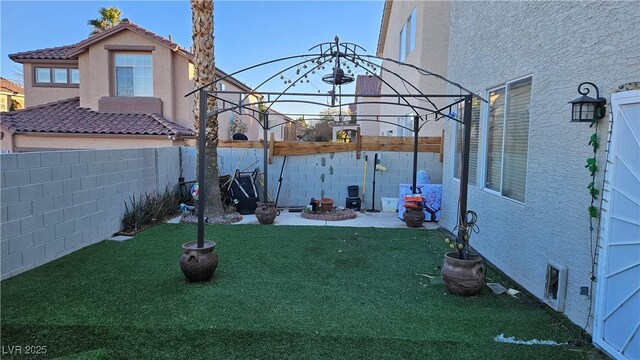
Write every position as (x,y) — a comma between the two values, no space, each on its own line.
(10,93)
(527,176)
(417,33)
(369,85)
(121,71)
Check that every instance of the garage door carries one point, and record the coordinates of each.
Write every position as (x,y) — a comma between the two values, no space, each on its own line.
(617,315)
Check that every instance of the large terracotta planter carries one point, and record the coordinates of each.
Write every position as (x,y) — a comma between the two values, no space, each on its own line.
(327,204)
(463,277)
(413,217)
(199,264)
(266,212)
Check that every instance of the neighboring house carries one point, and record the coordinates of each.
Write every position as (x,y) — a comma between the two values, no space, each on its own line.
(121,71)
(417,33)
(10,93)
(366,113)
(65,125)
(527,176)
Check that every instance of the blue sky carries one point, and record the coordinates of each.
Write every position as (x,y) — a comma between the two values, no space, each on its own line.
(246,32)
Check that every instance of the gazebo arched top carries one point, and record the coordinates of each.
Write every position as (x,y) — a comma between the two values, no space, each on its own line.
(341,56)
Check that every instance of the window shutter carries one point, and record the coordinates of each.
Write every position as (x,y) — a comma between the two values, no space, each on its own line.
(494,139)
(516,140)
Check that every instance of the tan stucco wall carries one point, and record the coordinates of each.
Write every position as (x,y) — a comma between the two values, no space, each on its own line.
(172,78)
(6,144)
(430,53)
(71,141)
(366,112)
(37,95)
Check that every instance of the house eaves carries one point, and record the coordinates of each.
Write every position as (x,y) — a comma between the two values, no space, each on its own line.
(384,24)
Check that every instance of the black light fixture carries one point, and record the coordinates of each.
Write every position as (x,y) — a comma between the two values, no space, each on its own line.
(586,108)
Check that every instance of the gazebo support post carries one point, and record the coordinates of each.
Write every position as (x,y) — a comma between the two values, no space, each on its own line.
(464,175)
(416,130)
(265,128)
(202,133)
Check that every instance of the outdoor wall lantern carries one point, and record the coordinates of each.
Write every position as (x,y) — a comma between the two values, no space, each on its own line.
(586,108)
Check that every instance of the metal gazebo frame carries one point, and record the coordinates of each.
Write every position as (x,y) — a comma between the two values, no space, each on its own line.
(339,54)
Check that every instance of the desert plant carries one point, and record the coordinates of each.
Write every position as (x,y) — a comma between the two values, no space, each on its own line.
(149,209)
(238,126)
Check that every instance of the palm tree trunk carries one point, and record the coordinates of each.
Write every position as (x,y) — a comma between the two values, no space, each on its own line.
(204,61)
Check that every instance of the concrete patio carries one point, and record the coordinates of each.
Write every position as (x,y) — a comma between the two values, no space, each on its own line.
(363,219)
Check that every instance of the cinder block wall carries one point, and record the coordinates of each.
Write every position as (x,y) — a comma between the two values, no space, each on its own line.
(54,203)
(328,175)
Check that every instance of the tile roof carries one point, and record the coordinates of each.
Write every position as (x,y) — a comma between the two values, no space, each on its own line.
(66,116)
(10,86)
(127,24)
(70,52)
(368,85)
(55,53)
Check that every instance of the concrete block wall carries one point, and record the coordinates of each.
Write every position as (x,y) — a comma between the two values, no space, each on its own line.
(329,175)
(53,203)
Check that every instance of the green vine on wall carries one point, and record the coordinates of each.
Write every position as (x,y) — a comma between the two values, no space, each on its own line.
(592,166)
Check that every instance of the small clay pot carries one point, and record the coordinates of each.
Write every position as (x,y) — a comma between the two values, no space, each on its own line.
(327,204)
(199,264)
(266,212)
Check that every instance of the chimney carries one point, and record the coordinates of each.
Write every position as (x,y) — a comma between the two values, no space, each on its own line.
(171,40)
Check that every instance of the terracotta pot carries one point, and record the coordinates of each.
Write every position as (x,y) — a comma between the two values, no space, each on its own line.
(327,204)
(463,277)
(266,212)
(198,264)
(413,217)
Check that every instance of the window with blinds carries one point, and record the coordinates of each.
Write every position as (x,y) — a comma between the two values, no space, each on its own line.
(508,139)
(473,151)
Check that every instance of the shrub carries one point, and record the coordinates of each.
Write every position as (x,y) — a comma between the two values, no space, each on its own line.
(149,209)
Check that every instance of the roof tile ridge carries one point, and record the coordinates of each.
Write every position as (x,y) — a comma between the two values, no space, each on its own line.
(163,122)
(45,49)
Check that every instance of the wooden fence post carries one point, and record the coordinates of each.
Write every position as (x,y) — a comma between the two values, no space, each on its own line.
(272,146)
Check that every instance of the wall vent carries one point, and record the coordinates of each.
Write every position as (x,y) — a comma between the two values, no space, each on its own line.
(556,286)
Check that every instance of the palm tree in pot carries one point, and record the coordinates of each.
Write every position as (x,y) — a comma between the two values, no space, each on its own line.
(200,260)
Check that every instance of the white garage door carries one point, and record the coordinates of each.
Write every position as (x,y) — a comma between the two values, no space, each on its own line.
(617,316)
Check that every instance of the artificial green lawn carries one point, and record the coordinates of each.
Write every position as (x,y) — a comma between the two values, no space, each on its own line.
(279,292)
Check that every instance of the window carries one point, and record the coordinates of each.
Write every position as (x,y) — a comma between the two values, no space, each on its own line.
(3,103)
(407,39)
(412,31)
(459,136)
(240,102)
(45,75)
(402,53)
(405,122)
(60,76)
(74,76)
(134,75)
(508,139)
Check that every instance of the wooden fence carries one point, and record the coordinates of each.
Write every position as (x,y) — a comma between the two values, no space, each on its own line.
(433,144)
